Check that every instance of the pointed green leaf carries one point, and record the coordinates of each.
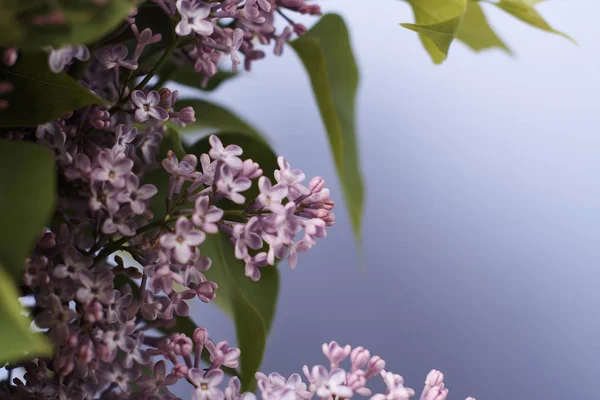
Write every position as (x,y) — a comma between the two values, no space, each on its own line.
(27,198)
(437,23)
(326,53)
(525,11)
(216,117)
(17,341)
(250,304)
(475,31)
(38,94)
(84,23)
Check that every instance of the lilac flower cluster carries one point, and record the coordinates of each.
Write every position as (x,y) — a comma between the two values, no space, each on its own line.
(334,382)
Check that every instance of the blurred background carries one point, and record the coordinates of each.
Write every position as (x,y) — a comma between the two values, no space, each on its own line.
(482,219)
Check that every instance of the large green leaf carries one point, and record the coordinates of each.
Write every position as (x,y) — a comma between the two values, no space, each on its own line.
(39,95)
(250,304)
(525,11)
(213,116)
(84,21)
(326,53)
(475,32)
(27,198)
(437,23)
(17,340)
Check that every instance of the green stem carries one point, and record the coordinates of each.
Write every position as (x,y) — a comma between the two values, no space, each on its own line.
(158,65)
(114,246)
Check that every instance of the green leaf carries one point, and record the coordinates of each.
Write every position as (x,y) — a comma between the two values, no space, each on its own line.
(17,341)
(213,116)
(38,94)
(27,198)
(85,22)
(187,75)
(437,23)
(250,304)
(475,31)
(326,53)
(525,11)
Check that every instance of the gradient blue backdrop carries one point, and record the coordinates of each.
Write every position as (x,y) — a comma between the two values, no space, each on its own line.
(481,226)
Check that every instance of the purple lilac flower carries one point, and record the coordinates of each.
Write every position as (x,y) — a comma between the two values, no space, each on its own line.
(182,241)
(56,318)
(147,106)
(136,195)
(290,178)
(111,170)
(228,155)
(157,381)
(246,236)
(73,263)
(180,171)
(253,265)
(124,138)
(95,287)
(271,196)
(207,384)
(230,185)
(63,56)
(120,222)
(193,18)
(236,42)
(223,355)
(115,57)
(206,216)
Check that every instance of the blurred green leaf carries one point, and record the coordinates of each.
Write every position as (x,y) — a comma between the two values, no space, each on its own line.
(38,94)
(84,21)
(187,75)
(475,31)
(525,11)
(437,23)
(326,53)
(250,304)
(213,116)
(17,341)
(27,199)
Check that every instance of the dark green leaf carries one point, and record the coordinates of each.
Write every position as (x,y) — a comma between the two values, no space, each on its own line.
(39,95)
(17,340)
(437,23)
(327,56)
(27,198)
(187,75)
(218,118)
(85,22)
(525,11)
(250,304)
(475,31)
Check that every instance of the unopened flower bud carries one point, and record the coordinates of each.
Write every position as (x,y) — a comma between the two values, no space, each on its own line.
(200,336)
(375,365)
(10,56)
